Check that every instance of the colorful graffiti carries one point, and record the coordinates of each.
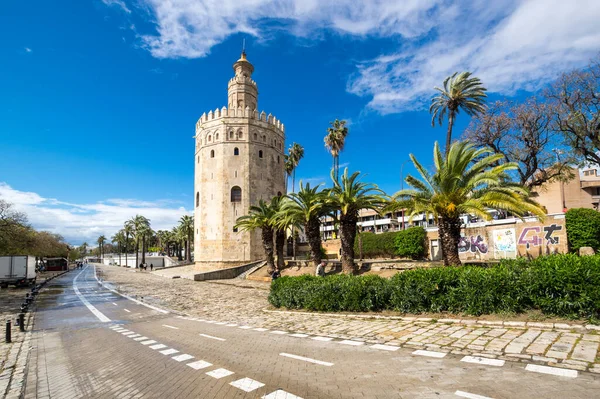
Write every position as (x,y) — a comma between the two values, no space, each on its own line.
(505,240)
(531,236)
(473,244)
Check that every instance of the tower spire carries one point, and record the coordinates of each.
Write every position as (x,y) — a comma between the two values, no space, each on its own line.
(244,48)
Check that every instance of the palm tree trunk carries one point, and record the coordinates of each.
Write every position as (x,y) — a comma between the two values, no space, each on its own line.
(449,133)
(119,245)
(137,250)
(449,230)
(267,239)
(144,249)
(126,240)
(360,245)
(314,240)
(279,244)
(189,254)
(347,236)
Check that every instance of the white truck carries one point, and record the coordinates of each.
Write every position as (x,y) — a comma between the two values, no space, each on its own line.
(17,270)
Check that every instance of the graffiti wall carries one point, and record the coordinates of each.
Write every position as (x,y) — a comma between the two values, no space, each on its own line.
(505,243)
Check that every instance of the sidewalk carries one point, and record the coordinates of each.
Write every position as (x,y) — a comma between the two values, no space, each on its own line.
(563,345)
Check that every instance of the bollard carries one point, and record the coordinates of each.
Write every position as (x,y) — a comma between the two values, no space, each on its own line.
(8,338)
(22,322)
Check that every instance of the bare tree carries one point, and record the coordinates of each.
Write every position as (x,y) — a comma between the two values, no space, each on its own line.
(524,134)
(576,97)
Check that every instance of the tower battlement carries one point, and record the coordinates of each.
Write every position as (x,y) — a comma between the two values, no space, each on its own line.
(240,113)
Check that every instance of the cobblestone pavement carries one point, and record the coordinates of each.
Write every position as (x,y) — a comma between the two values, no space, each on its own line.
(242,301)
(90,342)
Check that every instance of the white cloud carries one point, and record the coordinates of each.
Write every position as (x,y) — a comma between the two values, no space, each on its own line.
(509,44)
(85,222)
(28,50)
(119,3)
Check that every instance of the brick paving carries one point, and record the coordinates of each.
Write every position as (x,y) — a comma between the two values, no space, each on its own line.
(245,302)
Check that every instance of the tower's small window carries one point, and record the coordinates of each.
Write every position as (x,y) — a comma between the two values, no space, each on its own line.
(264,139)
(260,154)
(277,158)
(279,193)
(236,151)
(255,136)
(209,138)
(235,173)
(235,229)
(216,136)
(236,194)
(197,199)
(212,153)
(231,135)
(240,134)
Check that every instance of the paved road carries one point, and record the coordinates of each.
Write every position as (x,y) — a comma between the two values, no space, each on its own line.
(91,342)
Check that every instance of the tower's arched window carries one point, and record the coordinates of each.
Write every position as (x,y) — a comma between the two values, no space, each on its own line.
(209,138)
(255,136)
(231,135)
(240,134)
(279,193)
(197,199)
(236,151)
(264,139)
(212,153)
(260,154)
(277,158)
(236,194)
(216,136)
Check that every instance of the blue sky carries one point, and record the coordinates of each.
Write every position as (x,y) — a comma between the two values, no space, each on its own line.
(100,97)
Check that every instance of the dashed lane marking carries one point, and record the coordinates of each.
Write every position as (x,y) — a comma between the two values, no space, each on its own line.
(219,373)
(552,370)
(170,351)
(470,395)
(298,335)
(231,325)
(128,333)
(200,364)
(385,347)
(306,359)
(221,323)
(211,337)
(421,352)
(140,338)
(247,384)
(128,311)
(280,394)
(261,329)
(158,346)
(182,358)
(483,360)
(352,343)
(150,341)
(324,339)
(134,335)
(115,304)
(168,326)
(245,327)
(279,332)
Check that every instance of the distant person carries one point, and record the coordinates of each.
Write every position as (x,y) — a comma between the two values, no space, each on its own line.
(141,266)
(151,267)
(320,272)
(276,274)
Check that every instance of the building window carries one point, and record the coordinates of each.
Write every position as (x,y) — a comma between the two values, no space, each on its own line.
(212,153)
(240,134)
(264,139)
(235,173)
(260,154)
(209,138)
(231,135)
(255,136)
(216,136)
(236,151)
(235,229)
(236,194)
(197,199)
(277,158)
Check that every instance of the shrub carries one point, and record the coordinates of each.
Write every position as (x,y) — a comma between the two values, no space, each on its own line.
(583,228)
(410,243)
(376,245)
(561,285)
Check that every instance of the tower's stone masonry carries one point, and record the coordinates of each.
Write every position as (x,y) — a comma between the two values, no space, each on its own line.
(238,161)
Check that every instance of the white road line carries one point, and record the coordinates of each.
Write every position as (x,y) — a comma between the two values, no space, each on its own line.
(200,364)
(210,321)
(245,327)
(128,311)
(158,346)
(211,337)
(219,373)
(134,335)
(91,307)
(552,370)
(421,352)
(280,394)
(128,333)
(325,339)
(123,331)
(306,359)
(483,360)
(247,384)
(298,335)
(221,323)
(385,347)
(168,326)
(169,351)
(350,342)
(113,327)
(231,325)
(261,329)
(279,332)
(151,341)
(181,358)
(119,329)
(470,395)
(140,338)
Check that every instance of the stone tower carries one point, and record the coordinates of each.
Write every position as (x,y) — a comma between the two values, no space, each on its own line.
(238,161)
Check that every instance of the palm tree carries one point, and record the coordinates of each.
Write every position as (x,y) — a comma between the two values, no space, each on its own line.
(186,223)
(460,91)
(295,154)
(140,226)
(119,239)
(466,181)
(178,238)
(100,242)
(288,166)
(279,229)
(261,217)
(334,142)
(305,209)
(348,196)
(128,230)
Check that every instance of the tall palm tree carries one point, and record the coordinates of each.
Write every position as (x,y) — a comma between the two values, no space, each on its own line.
(305,209)
(140,226)
(334,142)
(119,238)
(466,181)
(295,154)
(288,166)
(186,224)
(100,242)
(279,229)
(128,230)
(460,91)
(178,238)
(261,217)
(348,196)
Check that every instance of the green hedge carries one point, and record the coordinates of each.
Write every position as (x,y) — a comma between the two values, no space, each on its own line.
(583,228)
(410,243)
(561,285)
(376,245)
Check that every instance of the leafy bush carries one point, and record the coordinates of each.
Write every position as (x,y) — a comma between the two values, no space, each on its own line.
(561,285)
(376,245)
(410,243)
(583,228)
